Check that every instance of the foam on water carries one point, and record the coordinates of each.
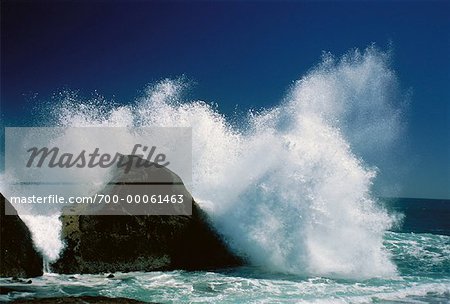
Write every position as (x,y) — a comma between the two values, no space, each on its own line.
(241,285)
(288,190)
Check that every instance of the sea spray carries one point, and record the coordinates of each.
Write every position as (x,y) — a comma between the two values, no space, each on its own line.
(289,189)
(45,231)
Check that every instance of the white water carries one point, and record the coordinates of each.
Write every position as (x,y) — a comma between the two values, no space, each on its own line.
(288,190)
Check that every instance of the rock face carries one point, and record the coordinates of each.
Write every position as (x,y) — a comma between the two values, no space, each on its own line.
(18,258)
(109,243)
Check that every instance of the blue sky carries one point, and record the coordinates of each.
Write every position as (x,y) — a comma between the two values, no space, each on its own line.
(238,53)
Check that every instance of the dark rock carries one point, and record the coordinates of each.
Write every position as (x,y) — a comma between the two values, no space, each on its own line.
(18,257)
(110,276)
(80,300)
(18,280)
(111,243)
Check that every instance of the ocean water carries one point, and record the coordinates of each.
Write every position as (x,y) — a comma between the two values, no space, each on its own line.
(290,188)
(422,259)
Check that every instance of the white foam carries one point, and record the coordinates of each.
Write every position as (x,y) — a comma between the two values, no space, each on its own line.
(45,231)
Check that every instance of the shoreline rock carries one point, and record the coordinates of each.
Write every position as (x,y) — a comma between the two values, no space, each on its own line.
(18,257)
(123,243)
